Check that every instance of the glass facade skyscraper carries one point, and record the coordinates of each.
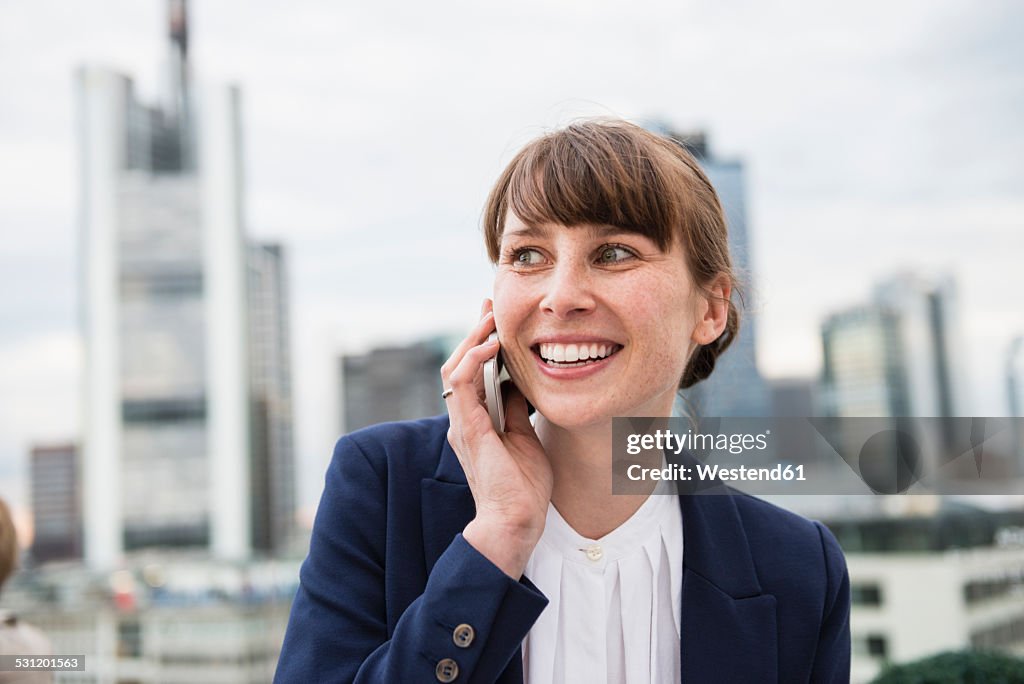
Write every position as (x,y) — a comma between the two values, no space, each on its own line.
(896,356)
(187,402)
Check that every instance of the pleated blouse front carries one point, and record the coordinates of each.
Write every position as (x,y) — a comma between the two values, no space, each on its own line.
(614,606)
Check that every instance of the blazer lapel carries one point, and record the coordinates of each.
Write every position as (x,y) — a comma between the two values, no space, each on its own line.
(447,509)
(728,630)
(447,506)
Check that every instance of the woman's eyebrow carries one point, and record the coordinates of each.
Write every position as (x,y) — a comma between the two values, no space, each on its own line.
(527,231)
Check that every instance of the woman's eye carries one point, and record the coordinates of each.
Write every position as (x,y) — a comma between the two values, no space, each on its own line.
(611,254)
(526,257)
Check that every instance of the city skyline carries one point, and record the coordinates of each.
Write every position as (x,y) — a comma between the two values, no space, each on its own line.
(863,159)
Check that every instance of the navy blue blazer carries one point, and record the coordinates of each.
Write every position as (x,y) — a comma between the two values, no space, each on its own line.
(389,578)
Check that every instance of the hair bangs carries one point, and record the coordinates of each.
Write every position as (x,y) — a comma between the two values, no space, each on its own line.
(586,175)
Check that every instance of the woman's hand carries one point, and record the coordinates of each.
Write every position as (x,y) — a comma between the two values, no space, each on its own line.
(509,474)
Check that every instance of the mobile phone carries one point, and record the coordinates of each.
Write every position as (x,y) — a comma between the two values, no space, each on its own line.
(495,375)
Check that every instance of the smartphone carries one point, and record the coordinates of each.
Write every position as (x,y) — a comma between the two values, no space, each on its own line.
(495,376)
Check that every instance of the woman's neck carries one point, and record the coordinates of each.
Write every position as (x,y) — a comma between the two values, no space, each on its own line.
(581,462)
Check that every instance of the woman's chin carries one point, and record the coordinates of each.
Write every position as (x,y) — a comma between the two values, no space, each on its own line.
(570,415)
(582,412)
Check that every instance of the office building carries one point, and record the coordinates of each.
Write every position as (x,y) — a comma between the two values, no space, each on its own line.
(897,355)
(272,463)
(187,412)
(56,503)
(735,388)
(921,585)
(930,333)
(1015,395)
(392,383)
(862,371)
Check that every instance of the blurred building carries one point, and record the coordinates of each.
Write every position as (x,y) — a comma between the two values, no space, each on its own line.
(793,397)
(898,355)
(926,584)
(1015,393)
(272,464)
(56,503)
(392,383)
(862,371)
(187,399)
(1015,377)
(163,619)
(736,387)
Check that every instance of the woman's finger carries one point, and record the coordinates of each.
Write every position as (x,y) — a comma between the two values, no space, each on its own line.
(479,333)
(463,380)
(465,405)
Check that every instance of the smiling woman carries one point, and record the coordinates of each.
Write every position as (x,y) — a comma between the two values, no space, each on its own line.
(444,550)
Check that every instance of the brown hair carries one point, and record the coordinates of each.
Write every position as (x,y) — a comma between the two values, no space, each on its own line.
(8,543)
(612,172)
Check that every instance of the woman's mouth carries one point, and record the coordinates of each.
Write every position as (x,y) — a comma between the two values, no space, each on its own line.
(573,355)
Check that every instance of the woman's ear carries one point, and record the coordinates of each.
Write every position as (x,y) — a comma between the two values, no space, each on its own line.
(712,310)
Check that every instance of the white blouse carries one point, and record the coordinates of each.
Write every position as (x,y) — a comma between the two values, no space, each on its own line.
(614,606)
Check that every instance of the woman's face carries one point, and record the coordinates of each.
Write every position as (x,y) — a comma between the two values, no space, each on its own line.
(564,294)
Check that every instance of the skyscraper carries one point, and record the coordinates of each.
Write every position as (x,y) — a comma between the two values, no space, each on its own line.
(896,356)
(863,372)
(735,388)
(187,399)
(272,464)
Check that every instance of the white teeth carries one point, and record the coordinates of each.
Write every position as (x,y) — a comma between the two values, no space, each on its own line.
(571,353)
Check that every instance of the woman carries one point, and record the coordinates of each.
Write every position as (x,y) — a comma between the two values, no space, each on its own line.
(444,551)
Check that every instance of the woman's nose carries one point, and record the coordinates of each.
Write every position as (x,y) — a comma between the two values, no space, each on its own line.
(568,291)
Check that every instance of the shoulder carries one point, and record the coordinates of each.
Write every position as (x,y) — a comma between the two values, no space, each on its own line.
(373,485)
(20,638)
(773,523)
(411,445)
(788,548)
(421,439)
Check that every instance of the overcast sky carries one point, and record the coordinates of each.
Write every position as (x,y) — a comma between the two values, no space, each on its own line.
(876,135)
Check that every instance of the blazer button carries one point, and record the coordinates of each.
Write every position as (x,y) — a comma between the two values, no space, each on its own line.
(447,670)
(463,635)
